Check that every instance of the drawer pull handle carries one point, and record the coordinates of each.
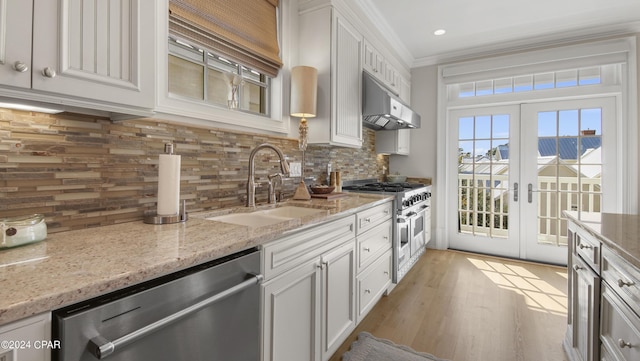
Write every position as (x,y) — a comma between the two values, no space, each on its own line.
(583,246)
(622,283)
(367,291)
(622,343)
(386,273)
(577,268)
(367,249)
(385,237)
(368,220)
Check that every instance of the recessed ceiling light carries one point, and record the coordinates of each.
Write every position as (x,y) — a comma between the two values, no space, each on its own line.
(439,32)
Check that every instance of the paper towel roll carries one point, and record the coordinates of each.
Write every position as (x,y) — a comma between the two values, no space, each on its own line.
(168,185)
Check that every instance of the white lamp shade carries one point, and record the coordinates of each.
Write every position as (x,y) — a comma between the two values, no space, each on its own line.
(304,91)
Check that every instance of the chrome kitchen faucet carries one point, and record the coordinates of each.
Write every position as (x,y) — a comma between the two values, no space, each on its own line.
(251,184)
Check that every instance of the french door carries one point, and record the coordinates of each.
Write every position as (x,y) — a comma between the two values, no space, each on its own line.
(518,167)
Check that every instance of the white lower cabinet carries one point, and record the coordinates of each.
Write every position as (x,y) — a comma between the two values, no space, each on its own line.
(619,328)
(320,282)
(374,256)
(604,301)
(338,301)
(310,309)
(27,340)
(373,283)
(292,315)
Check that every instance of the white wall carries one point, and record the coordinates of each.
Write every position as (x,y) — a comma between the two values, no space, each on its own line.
(424,97)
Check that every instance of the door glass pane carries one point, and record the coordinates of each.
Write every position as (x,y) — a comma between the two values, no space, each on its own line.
(483,175)
(569,169)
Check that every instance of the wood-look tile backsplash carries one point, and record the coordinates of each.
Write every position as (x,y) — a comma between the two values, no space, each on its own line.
(82,171)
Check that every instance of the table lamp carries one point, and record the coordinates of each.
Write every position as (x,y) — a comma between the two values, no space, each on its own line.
(304,90)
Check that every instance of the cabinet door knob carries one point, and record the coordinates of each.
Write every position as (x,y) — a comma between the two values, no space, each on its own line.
(576,267)
(367,291)
(49,72)
(622,283)
(622,343)
(367,249)
(20,67)
(583,246)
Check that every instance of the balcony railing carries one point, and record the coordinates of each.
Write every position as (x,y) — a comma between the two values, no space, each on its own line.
(483,204)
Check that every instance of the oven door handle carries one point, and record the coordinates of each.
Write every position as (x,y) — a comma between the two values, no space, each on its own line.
(100,347)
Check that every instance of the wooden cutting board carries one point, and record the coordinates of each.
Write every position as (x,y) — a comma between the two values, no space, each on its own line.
(329,196)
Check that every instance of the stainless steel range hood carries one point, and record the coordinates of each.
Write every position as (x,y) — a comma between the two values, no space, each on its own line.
(382,110)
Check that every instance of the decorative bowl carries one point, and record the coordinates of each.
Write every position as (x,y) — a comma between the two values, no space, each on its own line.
(396,178)
(322,189)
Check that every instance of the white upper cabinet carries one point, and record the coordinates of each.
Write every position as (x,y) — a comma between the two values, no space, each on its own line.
(392,78)
(98,55)
(331,44)
(373,61)
(15,43)
(405,90)
(393,141)
(101,50)
(381,69)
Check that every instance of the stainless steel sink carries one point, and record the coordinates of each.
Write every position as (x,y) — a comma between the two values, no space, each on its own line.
(268,217)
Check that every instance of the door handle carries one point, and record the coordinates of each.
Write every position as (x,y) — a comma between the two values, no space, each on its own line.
(530,192)
(515,191)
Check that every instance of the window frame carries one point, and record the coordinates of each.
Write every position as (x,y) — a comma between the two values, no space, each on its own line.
(204,60)
(197,113)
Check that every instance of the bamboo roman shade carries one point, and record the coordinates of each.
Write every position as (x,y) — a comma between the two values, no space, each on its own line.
(245,31)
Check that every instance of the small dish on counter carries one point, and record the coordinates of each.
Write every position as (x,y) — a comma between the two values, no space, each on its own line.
(396,178)
(322,189)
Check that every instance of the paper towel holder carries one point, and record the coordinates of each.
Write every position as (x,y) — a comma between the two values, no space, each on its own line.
(154,218)
(177,218)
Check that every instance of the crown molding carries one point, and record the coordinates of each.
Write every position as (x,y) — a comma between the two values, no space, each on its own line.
(567,37)
(379,22)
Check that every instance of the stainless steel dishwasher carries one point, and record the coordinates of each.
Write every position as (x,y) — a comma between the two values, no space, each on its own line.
(208,312)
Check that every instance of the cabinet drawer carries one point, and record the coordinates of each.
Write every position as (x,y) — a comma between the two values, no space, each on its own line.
(620,327)
(373,243)
(588,247)
(27,333)
(622,277)
(369,218)
(290,251)
(373,282)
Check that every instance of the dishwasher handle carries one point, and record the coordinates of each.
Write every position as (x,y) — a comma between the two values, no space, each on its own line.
(100,347)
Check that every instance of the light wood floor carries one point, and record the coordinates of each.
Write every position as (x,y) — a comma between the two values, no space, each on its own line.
(467,307)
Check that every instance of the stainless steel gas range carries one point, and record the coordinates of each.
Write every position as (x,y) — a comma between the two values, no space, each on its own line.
(412,221)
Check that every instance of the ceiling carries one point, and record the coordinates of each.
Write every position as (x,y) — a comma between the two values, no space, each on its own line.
(481,26)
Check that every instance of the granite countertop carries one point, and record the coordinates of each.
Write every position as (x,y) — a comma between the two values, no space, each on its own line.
(69,267)
(619,232)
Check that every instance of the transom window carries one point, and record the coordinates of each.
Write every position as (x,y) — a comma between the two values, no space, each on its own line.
(198,74)
(532,82)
